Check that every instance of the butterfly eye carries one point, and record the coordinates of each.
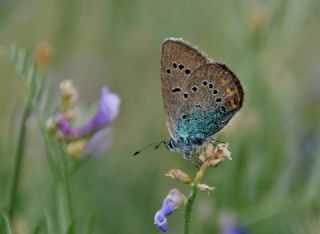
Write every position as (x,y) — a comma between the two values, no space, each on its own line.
(187,71)
(185,95)
(181,66)
(198,142)
(184,116)
(204,83)
(218,100)
(210,86)
(170,145)
(168,71)
(215,91)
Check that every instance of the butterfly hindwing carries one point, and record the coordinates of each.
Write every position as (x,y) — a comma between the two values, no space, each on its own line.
(215,85)
(214,96)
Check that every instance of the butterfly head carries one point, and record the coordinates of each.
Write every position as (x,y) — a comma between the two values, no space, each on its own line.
(187,145)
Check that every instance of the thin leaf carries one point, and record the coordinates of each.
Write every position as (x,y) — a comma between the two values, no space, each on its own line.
(14,53)
(21,58)
(31,76)
(49,226)
(39,227)
(40,88)
(91,223)
(48,101)
(70,229)
(312,185)
(7,224)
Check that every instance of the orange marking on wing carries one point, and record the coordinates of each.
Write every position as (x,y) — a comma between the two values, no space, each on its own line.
(233,103)
(229,91)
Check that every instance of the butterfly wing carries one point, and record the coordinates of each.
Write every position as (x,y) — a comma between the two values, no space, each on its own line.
(179,61)
(219,87)
(214,96)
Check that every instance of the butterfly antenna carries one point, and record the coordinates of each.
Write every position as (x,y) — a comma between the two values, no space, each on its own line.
(157,144)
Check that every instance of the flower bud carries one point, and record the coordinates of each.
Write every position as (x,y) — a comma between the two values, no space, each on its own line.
(221,151)
(256,20)
(179,176)
(76,148)
(51,124)
(205,188)
(69,94)
(216,162)
(44,55)
(202,157)
(209,149)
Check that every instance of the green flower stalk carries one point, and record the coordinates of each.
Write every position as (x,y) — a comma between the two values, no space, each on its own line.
(31,77)
(18,159)
(210,157)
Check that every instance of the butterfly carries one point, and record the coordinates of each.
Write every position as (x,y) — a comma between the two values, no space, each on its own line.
(200,96)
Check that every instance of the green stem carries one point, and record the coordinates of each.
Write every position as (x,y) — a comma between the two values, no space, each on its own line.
(70,205)
(64,208)
(193,195)
(188,210)
(62,216)
(67,186)
(18,160)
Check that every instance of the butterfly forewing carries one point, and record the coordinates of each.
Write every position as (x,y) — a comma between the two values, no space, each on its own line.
(179,61)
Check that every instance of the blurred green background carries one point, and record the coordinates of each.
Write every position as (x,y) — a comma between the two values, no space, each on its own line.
(272,183)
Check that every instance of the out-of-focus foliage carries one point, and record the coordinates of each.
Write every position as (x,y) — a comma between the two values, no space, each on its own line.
(272,183)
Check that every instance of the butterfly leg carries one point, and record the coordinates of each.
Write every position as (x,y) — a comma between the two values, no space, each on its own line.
(187,156)
(195,161)
(214,141)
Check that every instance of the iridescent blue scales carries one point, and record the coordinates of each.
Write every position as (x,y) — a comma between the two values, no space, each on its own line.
(200,96)
(200,125)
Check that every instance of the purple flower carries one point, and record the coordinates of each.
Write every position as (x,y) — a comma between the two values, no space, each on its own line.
(93,137)
(234,228)
(107,110)
(98,143)
(161,221)
(65,127)
(229,224)
(174,200)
